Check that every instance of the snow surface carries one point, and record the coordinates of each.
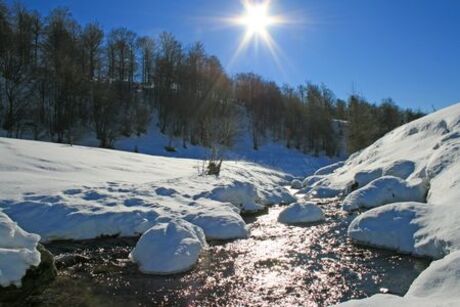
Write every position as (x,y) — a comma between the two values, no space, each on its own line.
(438,285)
(169,247)
(329,169)
(428,150)
(74,192)
(18,252)
(301,212)
(271,154)
(385,190)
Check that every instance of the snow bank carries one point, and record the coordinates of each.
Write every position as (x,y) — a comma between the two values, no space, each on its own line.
(74,192)
(301,212)
(436,286)
(384,190)
(18,252)
(168,248)
(428,150)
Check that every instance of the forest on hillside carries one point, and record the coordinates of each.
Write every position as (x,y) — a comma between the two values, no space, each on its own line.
(60,80)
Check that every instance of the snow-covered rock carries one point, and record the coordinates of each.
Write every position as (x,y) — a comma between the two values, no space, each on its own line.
(301,212)
(364,177)
(296,184)
(319,191)
(329,169)
(389,226)
(385,190)
(438,285)
(277,195)
(401,169)
(243,195)
(218,224)
(18,252)
(311,180)
(428,150)
(169,247)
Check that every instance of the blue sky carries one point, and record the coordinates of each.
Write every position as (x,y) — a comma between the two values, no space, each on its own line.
(405,49)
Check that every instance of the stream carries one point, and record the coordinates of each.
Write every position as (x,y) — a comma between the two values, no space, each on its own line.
(281,265)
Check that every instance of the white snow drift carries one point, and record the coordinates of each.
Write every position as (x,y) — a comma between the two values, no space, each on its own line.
(300,213)
(169,247)
(384,190)
(18,252)
(438,285)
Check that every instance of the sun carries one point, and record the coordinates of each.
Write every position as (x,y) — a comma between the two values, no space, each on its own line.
(256,18)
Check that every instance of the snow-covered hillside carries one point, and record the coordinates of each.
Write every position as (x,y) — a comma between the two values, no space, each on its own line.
(271,154)
(411,179)
(425,154)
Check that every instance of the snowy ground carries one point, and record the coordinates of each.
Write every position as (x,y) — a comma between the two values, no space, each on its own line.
(74,192)
(271,154)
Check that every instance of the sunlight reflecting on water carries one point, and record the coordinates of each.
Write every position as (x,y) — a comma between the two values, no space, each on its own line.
(281,265)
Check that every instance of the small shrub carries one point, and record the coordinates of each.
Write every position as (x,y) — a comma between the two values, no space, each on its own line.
(169,148)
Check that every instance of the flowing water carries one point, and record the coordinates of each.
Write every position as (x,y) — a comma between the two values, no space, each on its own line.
(277,265)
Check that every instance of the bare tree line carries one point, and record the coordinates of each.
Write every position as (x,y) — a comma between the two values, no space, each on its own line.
(60,80)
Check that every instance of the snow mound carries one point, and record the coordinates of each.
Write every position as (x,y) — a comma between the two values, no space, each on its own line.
(296,184)
(18,252)
(311,180)
(319,191)
(243,195)
(277,195)
(218,224)
(329,169)
(428,150)
(301,212)
(362,178)
(168,248)
(389,226)
(384,190)
(436,286)
(401,169)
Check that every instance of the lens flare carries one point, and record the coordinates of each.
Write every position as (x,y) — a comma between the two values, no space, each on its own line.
(256,19)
